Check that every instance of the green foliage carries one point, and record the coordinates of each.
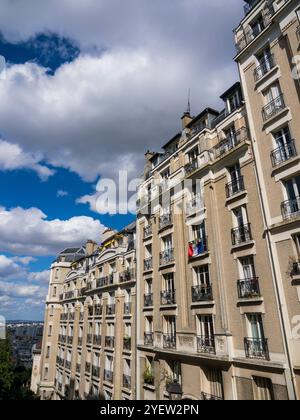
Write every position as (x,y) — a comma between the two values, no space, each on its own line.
(14,380)
(148,376)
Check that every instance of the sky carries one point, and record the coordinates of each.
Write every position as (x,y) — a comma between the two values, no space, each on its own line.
(89,87)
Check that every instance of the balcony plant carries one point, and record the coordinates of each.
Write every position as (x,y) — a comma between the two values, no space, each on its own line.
(148,376)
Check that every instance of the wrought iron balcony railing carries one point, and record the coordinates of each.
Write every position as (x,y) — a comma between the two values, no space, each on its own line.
(109,341)
(127,275)
(166,257)
(283,153)
(265,66)
(108,375)
(202,293)
(165,221)
(209,397)
(105,281)
(127,381)
(111,309)
(191,167)
(168,297)
(148,339)
(273,108)
(241,234)
(248,288)
(127,343)
(148,231)
(229,143)
(148,264)
(290,208)
(235,187)
(169,341)
(256,348)
(206,344)
(148,299)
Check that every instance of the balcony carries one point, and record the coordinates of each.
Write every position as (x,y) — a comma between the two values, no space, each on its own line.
(201,293)
(111,309)
(148,339)
(127,308)
(89,339)
(97,340)
(148,300)
(229,143)
(248,288)
(198,247)
(165,221)
(126,381)
(105,281)
(235,187)
(206,344)
(168,297)
(290,208)
(88,368)
(148,264)
(127,343)
(256,348)
(110,342)
(127,275)
(296,269)
(209,397)
(265,66)
(169,341)
(68,365)
(96,372)
(191,167)
(273,108)
(108,375)
(241,235)
(166,257)
(98,310)
(283,153)
(148,231)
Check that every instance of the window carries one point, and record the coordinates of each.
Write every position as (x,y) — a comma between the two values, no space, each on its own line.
(297,244)
(257,26)
(247,267)
(233,102)
(292,191)
(284,146)
(193,154)
(54,291)
(198,245)
(293,188)
(48,352)
(263,389)
(230,135)
(168,294)
(255,326)
(170,325)
(272,93)
(173,371)
(206,326)
(167,243)
(50,331)
(46,373)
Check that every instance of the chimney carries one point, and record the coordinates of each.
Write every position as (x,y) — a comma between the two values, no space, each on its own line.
(186,119)
(90,247)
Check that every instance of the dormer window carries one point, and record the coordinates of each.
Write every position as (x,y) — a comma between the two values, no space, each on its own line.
(233,102)
(165,175)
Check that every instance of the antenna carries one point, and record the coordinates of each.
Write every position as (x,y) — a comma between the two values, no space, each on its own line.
(188,111)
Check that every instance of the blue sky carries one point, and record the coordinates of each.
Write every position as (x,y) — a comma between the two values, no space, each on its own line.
(88,88)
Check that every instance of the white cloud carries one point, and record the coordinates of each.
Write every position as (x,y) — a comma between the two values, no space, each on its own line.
(62,193)
(40,277)
(16,290)
(101,112)
(28,231)
(8,267)
(12,157)
(23,260)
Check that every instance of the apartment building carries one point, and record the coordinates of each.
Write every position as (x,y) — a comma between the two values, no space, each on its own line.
(268,42)
(93,353)
(206,295)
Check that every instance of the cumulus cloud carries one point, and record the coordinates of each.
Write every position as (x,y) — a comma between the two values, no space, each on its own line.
(28,231)
(16,290)
(12,157)
(40,277)
(62,193)
(8,267)
(126,92)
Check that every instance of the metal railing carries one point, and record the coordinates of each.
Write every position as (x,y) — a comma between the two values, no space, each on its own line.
(166,257)
(109,341)
(191,167)
(148,299)
(230,142)
(283,153)
(235,187)
(169,341)
(256,348)
(206,344)
(290,208)
(248,288)
(165,221)
(273,108)
(168,297)
(265,66)
(105,281)
(202,293)
(127,275)
(147,231)
(148,264)
(148,339)
(241,234)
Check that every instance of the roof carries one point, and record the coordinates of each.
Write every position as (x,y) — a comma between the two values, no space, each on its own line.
(232,89)
(202,114)
(177,136)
